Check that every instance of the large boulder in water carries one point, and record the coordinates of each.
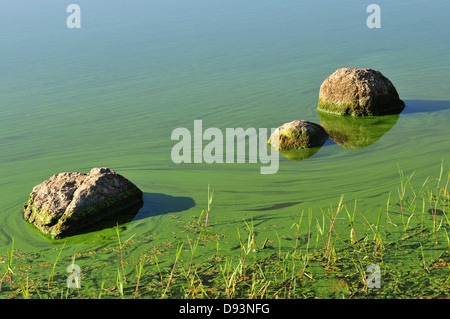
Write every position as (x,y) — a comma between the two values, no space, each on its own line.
(69,202)
(352,91)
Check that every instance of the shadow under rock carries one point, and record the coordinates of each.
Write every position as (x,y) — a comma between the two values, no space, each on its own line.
(419,106)
(158,204)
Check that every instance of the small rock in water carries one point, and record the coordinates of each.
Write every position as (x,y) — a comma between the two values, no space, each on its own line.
(298,135)
(68,202)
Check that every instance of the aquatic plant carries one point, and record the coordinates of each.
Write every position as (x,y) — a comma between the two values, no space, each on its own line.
(408,240)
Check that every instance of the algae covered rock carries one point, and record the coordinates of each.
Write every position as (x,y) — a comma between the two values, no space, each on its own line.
(66,203)
(298,140)
(298,135)
(353,91)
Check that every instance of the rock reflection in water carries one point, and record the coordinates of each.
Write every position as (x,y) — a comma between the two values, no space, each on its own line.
(353,133)
(296,155)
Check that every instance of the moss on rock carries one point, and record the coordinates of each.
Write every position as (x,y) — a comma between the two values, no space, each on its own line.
(298,140)
(66,203)
(359,92)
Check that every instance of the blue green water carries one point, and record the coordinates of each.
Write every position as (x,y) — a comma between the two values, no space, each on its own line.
(111,93)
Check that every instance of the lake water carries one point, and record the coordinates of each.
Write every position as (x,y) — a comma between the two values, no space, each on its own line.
(111,93)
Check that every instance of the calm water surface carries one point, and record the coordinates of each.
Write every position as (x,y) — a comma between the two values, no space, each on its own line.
(111,93)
